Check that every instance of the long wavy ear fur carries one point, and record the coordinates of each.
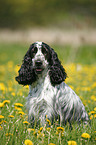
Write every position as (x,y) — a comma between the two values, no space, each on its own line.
(26,72)
(57,72)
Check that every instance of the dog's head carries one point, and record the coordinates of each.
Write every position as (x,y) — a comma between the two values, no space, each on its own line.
(39,57)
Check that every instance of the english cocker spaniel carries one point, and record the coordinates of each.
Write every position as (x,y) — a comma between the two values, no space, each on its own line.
(49,96)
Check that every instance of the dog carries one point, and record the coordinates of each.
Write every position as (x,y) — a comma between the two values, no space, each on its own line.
(49,96)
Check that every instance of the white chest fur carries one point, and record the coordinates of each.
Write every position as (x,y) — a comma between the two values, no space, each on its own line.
(41,99)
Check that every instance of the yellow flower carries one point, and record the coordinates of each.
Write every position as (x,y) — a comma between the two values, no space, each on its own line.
(71,87)
(94,85)
(85,135)
(0,127)
(48,128)
(91,117)
(21,113)
(30,129)
(94,115)
(95,109)
(28,142)
(40,135)
(41,128)
(91,112)
(6,101)
(1,116)
(93,98)
(9,134)
(3,121)
(26,122)
(17,67)
(1,105)
(60,129)
(27,87)
(13,94)
(35,133)
(18,104)
(48,121)
(11,116)
(72,142)
(2,87)
(18,108)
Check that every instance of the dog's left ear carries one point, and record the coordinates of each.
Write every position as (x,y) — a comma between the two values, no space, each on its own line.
(57,72)
(26,73)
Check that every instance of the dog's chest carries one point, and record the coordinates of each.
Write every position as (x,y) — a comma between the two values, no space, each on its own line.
(43,93)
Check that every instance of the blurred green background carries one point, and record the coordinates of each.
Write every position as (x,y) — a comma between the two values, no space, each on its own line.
(69,26)
(28,13)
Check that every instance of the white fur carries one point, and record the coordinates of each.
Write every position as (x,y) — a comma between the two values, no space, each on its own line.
(39,55)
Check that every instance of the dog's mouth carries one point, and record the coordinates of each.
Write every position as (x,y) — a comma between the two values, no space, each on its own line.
(38,70)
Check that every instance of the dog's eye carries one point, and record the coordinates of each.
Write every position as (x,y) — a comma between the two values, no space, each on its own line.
(44,51)
(33,52)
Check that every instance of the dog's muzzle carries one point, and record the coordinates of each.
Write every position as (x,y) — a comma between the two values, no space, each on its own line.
(38,66)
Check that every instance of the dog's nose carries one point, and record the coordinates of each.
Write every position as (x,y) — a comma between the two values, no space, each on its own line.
(38,63)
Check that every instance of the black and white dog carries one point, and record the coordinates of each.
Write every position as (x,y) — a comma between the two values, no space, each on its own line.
(48,95)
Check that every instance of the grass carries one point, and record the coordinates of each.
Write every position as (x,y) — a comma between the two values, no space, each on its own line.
(81,69)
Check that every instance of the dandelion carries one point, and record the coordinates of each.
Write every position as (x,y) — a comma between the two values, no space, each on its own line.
(41,128)
(2,87)
(21,113)
(94,115)
(6,101)
(0,127)
(27,87)
(18,104)
(28,142)
(1,105)
(91,112)
(72,142)
(13,94)
(9,134)
(18,108)
(60,129)
(35,133)
(3,121)
(85,135)
(93,98)
(1,116)
(95,109)
(10,116)
(48,121)
(91,117)
(30,129)
(17,67)
(51,144)
(26,122)
(40,135)
(48,128)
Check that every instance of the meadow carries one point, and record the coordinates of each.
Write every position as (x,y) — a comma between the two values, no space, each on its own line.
(14,126)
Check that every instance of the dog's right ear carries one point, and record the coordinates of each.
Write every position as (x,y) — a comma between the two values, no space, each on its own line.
(26,73)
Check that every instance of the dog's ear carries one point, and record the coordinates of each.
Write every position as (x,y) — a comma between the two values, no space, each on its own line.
(26,73)
(57,72)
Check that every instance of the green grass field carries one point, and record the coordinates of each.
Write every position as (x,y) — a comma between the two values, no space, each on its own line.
(80,65)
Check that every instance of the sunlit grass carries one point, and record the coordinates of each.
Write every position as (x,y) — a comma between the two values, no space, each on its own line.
(14,126)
